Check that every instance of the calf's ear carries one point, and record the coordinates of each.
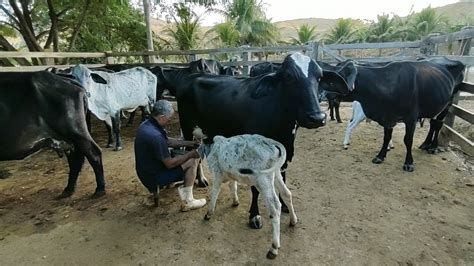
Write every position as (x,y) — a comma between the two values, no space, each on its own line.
(333,82)
(98,79)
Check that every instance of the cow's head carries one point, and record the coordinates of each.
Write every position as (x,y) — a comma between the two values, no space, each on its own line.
(300,76)
(162,82)
(86,77)
(338,79)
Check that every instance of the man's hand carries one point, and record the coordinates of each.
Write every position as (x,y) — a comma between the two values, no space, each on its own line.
(195,154)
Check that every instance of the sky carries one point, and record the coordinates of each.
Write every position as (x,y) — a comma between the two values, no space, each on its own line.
(279,10)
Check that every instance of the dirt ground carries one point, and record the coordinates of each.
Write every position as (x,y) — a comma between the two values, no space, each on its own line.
(350,210)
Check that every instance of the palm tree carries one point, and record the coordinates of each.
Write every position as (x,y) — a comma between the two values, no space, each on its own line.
(426,22)
(383,29)
(226,33)
(185,32)
(250,22)
(305,34)
(342,32)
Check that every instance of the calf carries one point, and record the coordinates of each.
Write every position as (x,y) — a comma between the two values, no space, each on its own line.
(256,161)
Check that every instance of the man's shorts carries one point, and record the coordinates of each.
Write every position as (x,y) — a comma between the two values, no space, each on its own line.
(169,176)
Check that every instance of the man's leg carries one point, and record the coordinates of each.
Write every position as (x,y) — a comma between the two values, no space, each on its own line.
(186,191)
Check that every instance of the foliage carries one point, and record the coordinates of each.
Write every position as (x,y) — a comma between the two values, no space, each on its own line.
(185,31)
(342,32)
(250,22)
(305,34)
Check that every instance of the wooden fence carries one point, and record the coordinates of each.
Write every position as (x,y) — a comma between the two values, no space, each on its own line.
(334,52)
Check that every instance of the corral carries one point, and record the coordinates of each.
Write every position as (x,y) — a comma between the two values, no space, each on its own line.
(351,211)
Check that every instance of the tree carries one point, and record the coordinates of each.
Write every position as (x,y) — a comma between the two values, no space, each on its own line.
(250,22)
(383,29)
(185,31)
(305,34)
(426,22)
(342,32)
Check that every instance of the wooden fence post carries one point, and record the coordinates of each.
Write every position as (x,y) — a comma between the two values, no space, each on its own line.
(191,57)
(314,50)
(246,56)
(465,49)
(109,60)
(148,58)
(428,47)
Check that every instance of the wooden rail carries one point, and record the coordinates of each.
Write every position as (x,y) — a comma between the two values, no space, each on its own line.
(427,46)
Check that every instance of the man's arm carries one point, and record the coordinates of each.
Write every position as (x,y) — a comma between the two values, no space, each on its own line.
(180,159)
(176,143)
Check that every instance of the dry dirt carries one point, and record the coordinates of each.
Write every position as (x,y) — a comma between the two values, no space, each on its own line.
(351,211)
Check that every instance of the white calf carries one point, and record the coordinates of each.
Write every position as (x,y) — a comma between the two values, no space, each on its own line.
(253,160)
(357,117)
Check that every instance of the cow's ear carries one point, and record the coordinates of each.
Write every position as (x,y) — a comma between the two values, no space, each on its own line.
(98,79)
(333,82)
(349,72)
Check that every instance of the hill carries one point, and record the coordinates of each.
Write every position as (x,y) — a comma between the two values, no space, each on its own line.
(454,12)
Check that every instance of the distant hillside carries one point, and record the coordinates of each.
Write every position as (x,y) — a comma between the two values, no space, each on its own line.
(454,12)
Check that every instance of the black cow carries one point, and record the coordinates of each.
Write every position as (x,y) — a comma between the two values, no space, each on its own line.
(406,91)
(264,68)
(42,110)
(269,105)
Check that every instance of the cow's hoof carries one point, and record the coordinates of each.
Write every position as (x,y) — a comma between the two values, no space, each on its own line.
(432,150)
(119,148)
(423,146)
(271,255)
(256,222)
(284,208)
(98,194)
(235,204)
(65,194)
(109,145)
(409,167)
(207,217)
(377,160)
(203,183)
(339,121)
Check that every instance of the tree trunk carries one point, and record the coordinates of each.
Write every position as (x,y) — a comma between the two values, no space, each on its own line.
(6,46)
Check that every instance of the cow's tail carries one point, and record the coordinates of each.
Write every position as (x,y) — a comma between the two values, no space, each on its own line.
(280,151)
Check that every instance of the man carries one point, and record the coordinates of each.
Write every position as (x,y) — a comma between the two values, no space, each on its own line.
(154,164)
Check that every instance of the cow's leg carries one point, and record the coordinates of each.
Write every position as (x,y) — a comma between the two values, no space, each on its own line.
(94,156)
(331,108)
(357,117)
(387,136)
(408,139)
(201,179)
(116,129)
(429,137)
(216,188)
(437,124)
(337,103)
(144,112)
(266,185)
(284,208)
(286,194)
(110,138)
(233,191)
(255,220)
(88,121)
(75,159)
(130,118)
(433,146)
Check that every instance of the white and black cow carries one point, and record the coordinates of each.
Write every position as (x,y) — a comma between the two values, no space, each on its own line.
(42,110)
(269,105)
(406,91)
(256,161)
(126,90)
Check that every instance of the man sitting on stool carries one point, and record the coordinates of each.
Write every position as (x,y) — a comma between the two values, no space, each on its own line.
(154,164)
